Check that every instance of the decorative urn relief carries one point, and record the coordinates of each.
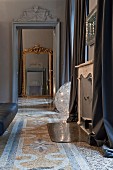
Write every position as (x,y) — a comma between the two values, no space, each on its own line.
(36,13)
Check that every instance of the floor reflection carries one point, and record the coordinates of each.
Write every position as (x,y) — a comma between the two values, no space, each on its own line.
(66,132)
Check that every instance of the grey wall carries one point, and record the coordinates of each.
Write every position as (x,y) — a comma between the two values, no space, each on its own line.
(31,37)
(92,4)
(12,9)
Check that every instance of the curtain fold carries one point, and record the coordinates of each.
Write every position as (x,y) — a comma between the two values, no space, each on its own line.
(67,46)
(20,62)
(78,55)
(102,106)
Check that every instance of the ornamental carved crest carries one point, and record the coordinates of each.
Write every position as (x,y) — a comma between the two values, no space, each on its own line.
(36,13)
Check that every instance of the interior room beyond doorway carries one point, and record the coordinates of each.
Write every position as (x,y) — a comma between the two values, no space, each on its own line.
(38,67)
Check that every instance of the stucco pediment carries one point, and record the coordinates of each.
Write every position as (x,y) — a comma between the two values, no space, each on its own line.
(35,14)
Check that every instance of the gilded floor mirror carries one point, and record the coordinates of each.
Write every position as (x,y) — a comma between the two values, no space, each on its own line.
(37,72)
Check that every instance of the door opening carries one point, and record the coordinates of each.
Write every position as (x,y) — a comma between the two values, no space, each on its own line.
(56,52)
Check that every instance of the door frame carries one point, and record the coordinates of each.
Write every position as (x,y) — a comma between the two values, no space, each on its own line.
(56,53)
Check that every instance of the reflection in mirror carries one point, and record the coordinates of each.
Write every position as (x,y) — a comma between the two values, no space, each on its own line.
(90,27)
(37,71)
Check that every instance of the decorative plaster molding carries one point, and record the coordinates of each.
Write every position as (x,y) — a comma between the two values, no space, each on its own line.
(35,14)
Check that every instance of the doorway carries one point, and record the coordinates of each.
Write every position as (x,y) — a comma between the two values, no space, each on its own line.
(55,26)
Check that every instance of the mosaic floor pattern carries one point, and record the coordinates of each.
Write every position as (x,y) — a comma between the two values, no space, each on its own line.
(26,144)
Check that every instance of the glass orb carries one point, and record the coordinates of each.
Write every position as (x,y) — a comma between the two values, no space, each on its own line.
(62,98)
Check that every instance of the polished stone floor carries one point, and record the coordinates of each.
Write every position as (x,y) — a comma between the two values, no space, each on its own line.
(63,132)
(26,145)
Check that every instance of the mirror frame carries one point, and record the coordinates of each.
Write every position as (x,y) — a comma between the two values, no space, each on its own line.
(37,49)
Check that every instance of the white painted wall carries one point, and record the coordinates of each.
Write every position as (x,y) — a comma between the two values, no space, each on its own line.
(12,9)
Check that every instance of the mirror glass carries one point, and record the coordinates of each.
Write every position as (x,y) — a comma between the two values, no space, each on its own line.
(90,27)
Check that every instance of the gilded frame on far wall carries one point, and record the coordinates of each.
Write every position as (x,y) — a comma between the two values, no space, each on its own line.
(37,49)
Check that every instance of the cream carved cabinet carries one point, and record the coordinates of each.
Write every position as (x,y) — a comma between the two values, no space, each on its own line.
(85,89)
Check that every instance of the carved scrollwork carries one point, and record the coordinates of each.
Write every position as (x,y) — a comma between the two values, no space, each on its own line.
(36,13)
(37,49)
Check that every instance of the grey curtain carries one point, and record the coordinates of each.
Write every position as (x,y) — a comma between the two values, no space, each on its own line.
(78,54)
(103,79)
(66,77)
(20,62)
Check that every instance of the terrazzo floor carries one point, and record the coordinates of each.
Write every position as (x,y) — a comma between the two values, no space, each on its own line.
(26,144)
